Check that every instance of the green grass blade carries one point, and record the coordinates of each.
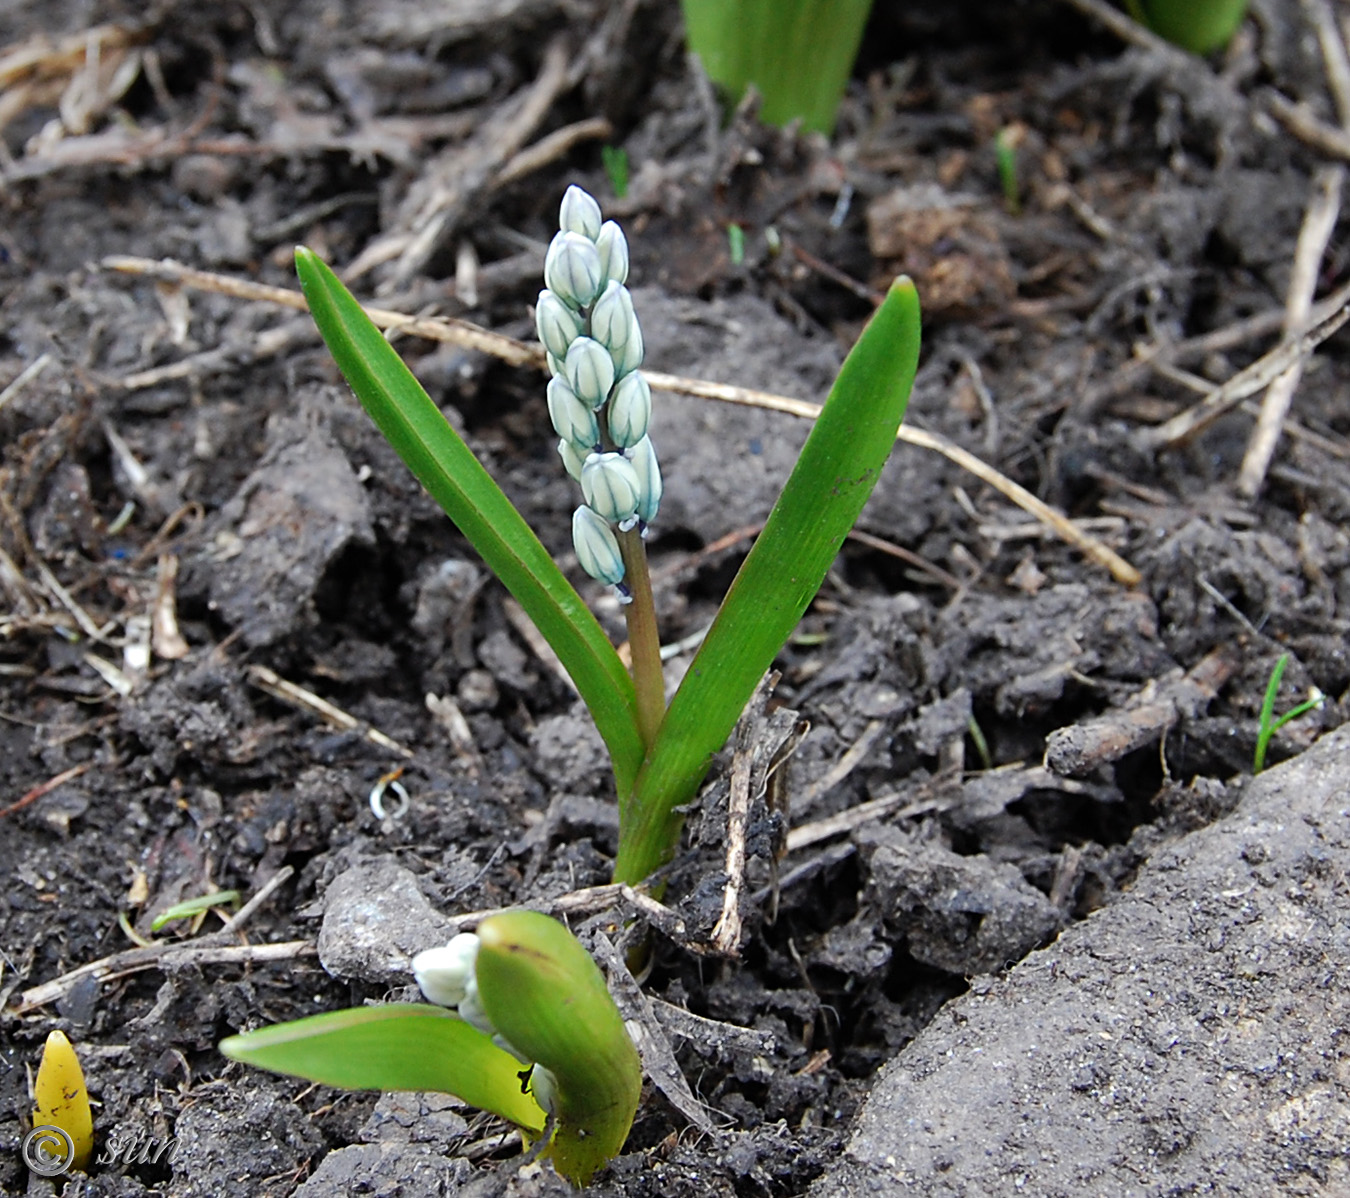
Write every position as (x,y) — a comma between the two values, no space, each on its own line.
(838,467)
(195,906)
(447,468)
(1265,728)
(398,1046)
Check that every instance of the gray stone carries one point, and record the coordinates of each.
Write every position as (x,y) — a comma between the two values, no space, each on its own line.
(375,920)
(1186,1039)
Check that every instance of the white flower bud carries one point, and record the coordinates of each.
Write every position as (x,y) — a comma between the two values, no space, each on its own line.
(589,370)
(572,461)
(613,322)
(557,324)
(631,358)
(573,420)
(572,270)
(555,366)
(443,974)
(610,486)
(579,213)
(630,410)
(472,1012)
(544,1087)
(597,547)
(642,457)
(613,248)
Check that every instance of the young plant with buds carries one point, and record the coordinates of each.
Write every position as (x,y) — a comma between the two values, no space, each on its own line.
(600,406)
(509,990)
(534,1038)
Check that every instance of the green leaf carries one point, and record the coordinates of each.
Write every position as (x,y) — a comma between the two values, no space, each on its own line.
(1200,26)
(798,54)
(547,997)
(195,906)
(398,1046)
(456,480)
(838,467)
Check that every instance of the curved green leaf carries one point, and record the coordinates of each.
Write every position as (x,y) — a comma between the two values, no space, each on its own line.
(456,480)
(398,1046)
(823,497)
(547,997)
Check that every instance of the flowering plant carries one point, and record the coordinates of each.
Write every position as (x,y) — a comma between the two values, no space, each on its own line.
(535,1039)
(525,990)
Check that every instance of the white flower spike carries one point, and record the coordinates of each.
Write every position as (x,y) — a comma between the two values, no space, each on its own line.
(599,403)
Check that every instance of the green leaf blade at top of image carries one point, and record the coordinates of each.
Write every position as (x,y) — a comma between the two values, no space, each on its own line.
(1200,26)
(397,1046)
(454,477)
(798,54)
(838,467)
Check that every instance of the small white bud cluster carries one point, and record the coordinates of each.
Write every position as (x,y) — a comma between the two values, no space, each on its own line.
(448,977)
(599,402)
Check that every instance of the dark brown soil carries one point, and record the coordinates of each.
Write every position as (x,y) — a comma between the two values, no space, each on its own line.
(175,450)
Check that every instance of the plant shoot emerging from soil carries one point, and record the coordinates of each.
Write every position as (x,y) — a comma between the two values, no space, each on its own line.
(1200,26)
(63,1124)
(1269,725)
(796,53)
(536,1037)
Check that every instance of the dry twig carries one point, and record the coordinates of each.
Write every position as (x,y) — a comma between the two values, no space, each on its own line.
(46,787)
(1335,59)
(764,743)
(1076,751)
(297,696)
(895,806)
(658,1058)
(1308,127)
(519,353)
(458,177)
(1319,221)
(1261,373)
(134,960)
(250,908)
